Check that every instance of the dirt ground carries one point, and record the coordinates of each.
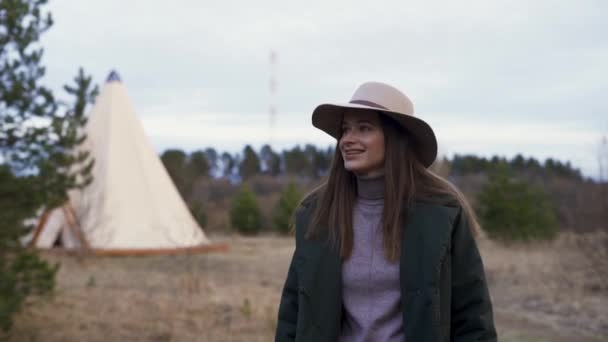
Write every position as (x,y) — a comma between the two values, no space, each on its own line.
(540,292)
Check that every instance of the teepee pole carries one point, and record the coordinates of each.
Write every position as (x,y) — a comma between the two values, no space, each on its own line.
(74,226)
(43,219)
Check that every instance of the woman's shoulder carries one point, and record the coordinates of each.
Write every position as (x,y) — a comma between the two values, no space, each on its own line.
(309,201)
(440,205)
(303,214)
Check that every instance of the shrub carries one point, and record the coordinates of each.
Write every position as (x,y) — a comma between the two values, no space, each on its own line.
(512,209)
(245,214)
(290,197)
(21,276)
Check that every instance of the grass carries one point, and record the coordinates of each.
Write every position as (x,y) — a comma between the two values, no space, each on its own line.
(539,293)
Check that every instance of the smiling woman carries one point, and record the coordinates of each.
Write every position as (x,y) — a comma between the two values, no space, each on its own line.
(385,249)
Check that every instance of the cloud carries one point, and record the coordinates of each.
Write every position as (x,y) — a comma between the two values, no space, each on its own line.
(490,64)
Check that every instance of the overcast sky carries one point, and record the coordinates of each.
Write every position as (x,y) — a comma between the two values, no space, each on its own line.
(491,77)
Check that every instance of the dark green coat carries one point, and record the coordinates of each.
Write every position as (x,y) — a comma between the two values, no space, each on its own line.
(444,295)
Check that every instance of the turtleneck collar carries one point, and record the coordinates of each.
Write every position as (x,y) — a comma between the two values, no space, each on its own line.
(371,188)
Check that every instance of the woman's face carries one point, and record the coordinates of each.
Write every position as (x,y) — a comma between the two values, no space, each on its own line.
(362,143)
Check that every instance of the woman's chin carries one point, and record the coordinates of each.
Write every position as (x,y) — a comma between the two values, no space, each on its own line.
(354,168)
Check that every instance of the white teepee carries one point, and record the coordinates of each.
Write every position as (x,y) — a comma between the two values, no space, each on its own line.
(132,204)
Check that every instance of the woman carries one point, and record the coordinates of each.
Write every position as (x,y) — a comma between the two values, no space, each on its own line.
(385,248)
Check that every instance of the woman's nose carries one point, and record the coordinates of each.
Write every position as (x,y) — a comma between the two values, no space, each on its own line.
(349,135)
(346,138)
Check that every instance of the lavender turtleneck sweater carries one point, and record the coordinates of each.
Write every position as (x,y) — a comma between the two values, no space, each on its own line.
(370,283)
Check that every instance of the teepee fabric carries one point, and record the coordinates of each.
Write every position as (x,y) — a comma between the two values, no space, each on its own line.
(131,203)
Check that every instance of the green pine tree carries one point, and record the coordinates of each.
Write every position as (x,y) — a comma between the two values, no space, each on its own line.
(175,161)
(38,139)
(296,162)
(271,160)
(287,204)
(250,165)
(512,209)
(198,166)
(245,213)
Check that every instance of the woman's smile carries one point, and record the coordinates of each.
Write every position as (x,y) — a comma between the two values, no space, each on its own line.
(353,153)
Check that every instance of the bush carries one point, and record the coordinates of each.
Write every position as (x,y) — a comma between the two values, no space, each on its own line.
(22,275)
(245,214)
(512,209)
(290,197)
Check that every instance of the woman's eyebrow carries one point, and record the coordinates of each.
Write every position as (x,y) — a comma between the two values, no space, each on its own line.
(365,121)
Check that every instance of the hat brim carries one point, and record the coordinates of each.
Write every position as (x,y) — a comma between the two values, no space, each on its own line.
(328,118)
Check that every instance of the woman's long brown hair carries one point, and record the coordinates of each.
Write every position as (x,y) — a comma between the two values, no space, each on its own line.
(406,180)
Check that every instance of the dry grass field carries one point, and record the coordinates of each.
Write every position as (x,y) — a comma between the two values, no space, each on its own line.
(541,292)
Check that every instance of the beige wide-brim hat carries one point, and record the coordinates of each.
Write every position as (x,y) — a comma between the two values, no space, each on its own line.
(387,100)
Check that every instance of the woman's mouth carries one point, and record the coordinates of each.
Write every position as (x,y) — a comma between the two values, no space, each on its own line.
(348,154)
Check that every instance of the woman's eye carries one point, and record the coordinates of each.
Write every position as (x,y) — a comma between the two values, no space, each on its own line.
(364,128)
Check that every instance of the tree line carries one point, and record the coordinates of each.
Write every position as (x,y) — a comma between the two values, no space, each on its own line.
(184,168)
(467,164)
(519,198)
(312,162)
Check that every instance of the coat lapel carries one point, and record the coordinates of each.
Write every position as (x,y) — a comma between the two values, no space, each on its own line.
(322,282)
(424,244)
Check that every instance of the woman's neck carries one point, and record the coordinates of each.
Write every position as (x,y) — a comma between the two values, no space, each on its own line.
(370,187)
